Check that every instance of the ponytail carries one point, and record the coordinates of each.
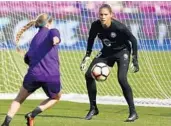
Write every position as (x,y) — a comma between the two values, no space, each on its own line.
(26,27)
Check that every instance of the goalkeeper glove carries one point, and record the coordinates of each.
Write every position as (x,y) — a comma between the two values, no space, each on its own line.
(84,63)
(134,65)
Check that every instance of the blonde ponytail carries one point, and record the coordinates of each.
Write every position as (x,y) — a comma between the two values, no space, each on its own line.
(27,26)
(40,21)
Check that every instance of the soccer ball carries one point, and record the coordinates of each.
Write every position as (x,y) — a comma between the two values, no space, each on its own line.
(100,71)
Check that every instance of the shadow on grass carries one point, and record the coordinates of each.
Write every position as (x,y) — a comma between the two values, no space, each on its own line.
(49,116)
(111,111)
(160,115)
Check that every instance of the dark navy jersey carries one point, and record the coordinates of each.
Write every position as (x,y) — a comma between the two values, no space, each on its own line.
(115,37)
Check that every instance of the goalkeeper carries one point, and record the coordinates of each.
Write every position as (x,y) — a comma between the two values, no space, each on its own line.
(117,42)
(43,71)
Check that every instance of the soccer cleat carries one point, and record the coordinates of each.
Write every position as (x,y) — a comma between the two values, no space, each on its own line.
(132,117)
(91,113)
(30,120)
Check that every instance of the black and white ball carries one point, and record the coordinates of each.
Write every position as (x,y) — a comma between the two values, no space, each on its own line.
(100,71)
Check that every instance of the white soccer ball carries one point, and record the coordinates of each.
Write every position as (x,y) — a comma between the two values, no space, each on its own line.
(100,71)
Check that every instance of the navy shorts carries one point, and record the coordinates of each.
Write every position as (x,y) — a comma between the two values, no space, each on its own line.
(50,88)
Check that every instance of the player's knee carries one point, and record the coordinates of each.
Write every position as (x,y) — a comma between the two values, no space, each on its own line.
(124,83)
(88,75)
(19,100)
(122,79)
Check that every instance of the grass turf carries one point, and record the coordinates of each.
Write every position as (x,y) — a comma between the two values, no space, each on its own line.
(72,114)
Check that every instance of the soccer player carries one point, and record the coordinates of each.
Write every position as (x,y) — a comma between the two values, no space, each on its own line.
(117,42)
(42,59)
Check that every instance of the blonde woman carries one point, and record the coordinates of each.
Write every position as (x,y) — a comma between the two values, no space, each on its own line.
(42,59)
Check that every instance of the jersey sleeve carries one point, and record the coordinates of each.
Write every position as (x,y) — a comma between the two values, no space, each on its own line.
(132,39)
(92,36)
(54,33)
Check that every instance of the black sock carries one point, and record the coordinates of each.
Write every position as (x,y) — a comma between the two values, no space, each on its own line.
(7,120)
(35,112)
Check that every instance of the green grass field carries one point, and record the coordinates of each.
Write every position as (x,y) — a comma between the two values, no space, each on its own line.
(72,114)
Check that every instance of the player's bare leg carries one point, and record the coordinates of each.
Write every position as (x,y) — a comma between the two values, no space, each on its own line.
(46,104)
(22,95)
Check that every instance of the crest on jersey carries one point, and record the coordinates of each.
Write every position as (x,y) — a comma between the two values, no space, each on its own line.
(113,34)
(125,56)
